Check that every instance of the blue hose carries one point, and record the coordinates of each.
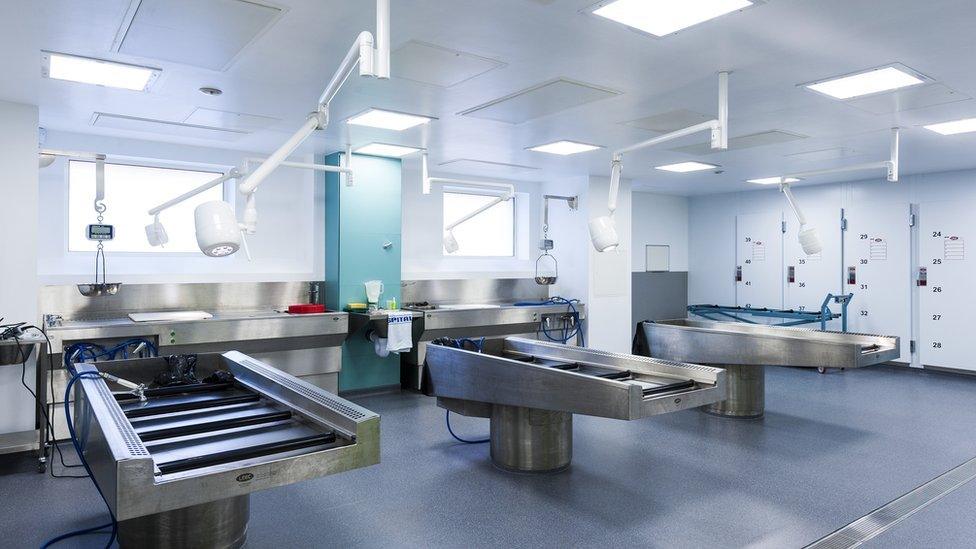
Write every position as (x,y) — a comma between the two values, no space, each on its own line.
(81,455)
(90,352)
(447,418)
(567,333)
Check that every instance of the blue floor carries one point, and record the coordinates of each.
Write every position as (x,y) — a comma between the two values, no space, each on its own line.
(830,449)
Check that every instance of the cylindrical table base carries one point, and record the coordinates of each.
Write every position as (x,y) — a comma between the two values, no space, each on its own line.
(745,393)
(220,524)
(528,440)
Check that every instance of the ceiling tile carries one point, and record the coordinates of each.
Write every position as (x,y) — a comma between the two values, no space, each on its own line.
(201,33)
(540,100)
(438,66)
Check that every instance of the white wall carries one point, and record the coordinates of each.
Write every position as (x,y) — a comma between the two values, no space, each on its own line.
(659,219)
(289,244)
(886,297)
(601,280)
(18,260)
(423,221)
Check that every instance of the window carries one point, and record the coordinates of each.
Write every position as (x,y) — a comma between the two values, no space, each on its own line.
(490,233)
(130,191)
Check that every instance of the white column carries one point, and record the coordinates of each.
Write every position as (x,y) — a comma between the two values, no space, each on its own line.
(19,223)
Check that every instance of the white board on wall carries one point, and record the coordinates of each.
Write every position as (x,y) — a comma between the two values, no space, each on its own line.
(657,258)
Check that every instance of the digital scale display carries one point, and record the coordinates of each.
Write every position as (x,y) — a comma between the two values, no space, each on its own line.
(101,232)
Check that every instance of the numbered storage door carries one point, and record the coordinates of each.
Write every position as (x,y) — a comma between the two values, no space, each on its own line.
(877,251)
(948,295)
(759,261)
(809,278)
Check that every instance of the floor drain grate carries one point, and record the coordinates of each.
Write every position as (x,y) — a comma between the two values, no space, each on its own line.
(890,514)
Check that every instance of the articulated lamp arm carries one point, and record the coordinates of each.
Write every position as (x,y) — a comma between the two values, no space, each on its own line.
(603,230)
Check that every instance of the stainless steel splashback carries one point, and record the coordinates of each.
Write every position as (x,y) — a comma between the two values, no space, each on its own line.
(239,296)
(477,290)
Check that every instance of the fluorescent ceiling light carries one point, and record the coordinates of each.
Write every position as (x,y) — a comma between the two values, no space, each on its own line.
(388,120)
(772,180)
(97,71)
(383,149)
(564,148)
(866,83)
(661,17)
(955,127)
(686,167)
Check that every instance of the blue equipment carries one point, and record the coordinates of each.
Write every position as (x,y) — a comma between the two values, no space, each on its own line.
(792,317)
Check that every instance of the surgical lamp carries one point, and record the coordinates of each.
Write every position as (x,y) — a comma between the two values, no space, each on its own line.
(450,241)
(808,236)
(603,229)
(213,226)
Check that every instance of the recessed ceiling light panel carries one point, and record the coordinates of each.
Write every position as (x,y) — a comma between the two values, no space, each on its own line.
(955,127)
(387,150)
(686,167)
(869,82)
(565,148)
(663,17)
(772,180)
(99,72)
(388,120)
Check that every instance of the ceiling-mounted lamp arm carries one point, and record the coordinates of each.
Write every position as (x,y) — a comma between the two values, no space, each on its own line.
(788,193)
(616,167)
(232,174)
(487,206)
(894,167)
(603,230)
(361,53)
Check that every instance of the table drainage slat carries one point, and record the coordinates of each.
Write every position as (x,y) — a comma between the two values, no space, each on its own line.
(194,405)
(677,386)
(176,390)
(210,426)
(238,454)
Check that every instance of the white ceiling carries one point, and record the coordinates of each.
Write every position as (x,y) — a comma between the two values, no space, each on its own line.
(770,49)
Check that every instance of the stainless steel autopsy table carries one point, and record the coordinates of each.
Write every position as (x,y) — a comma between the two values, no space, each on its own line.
(744,350)
(177,469)
(530,390)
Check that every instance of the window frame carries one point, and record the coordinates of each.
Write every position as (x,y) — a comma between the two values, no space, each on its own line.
(486,192)
(226,191)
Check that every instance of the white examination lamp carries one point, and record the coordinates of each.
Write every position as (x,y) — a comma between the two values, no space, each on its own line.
(808,236)
(603,230)
(218,233)
(450,242)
